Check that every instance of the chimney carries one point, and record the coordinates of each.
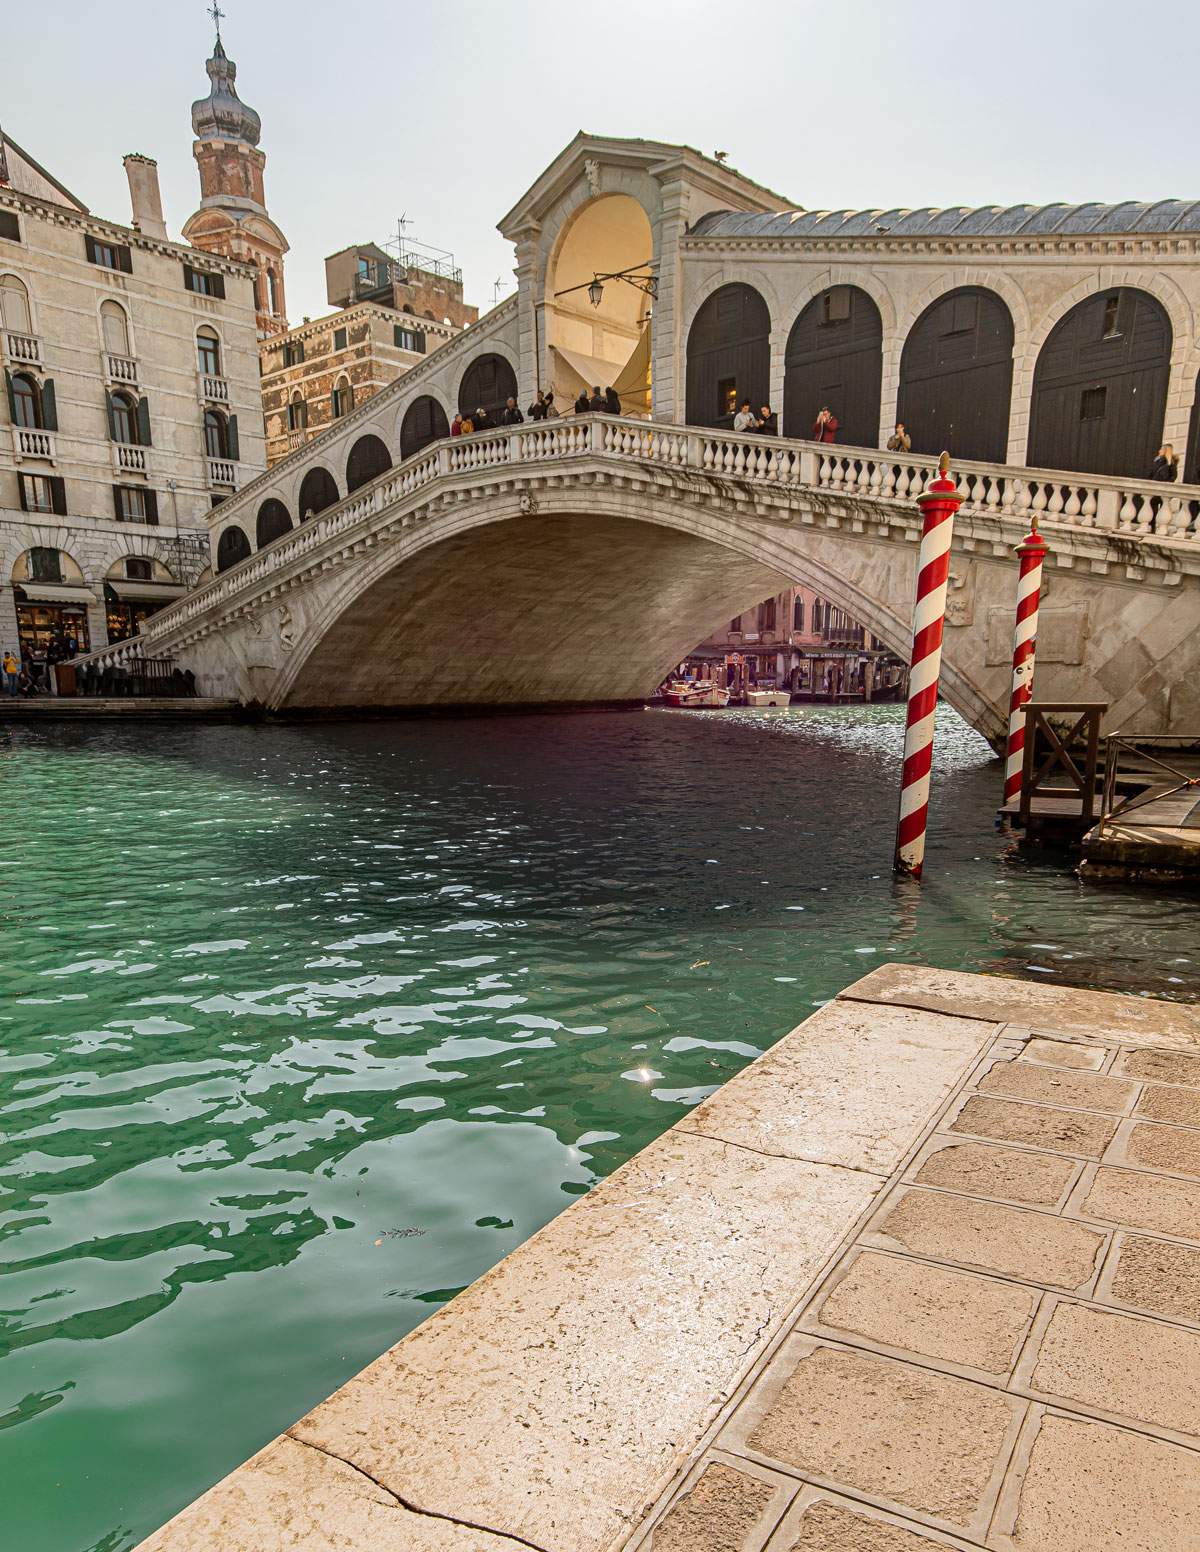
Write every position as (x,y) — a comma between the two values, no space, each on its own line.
(142,172)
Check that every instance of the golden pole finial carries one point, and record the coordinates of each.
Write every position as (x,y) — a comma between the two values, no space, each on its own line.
(944,464)
(1033,523)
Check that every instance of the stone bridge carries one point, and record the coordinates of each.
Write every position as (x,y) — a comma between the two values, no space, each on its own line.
(577,560)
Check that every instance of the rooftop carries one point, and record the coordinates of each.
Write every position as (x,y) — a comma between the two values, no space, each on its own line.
(1059,220)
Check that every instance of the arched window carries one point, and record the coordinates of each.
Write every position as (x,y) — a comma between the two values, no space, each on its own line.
(956,376)
(232,547)
(834,358)
(216,434)
(273,283)
(1100,386)
(407,309)
(272,522)
(368,459)
(317,491)
(116,329)
(766,615)
(798,614)
(26,402)
(124,418)
(208,353)
(487,383)
(343,398)
(424,422)
(297,413)
(728,356)
(14,305)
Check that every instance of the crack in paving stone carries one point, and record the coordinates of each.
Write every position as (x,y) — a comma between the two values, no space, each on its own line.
(786,1158)
(405,1503)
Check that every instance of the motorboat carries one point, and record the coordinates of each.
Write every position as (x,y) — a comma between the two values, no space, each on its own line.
(695,693)
(768,698)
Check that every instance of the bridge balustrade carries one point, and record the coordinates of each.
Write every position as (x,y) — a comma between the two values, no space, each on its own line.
(1141,509)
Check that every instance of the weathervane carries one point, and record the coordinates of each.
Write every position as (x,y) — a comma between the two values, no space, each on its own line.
(216,13)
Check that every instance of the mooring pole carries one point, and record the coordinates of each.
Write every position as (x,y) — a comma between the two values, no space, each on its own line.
(1031,552)
(938,505)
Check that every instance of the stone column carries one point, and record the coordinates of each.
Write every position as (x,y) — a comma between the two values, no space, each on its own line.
(531,337)
(668,372)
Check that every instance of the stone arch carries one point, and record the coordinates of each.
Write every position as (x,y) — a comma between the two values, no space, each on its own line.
(424,421)
(367,460)
(728,350)
(955,388)
(318,490)
(1184,360)
(836,360)
(272,522)
(486,381)
(107,310)
(232,547)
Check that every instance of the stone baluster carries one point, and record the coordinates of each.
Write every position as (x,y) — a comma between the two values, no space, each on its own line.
(1128,514)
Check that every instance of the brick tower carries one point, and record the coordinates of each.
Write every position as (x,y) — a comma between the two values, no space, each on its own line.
(232,219)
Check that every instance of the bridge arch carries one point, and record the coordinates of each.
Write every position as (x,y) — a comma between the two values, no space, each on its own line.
(318,490)
(728,355)
(834,356)
(487,381)
(232,547)
(368,459)
(1100,384)
(956,372)
(424,421)
(272,522)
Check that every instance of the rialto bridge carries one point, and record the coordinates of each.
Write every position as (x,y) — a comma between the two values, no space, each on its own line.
(1050,349)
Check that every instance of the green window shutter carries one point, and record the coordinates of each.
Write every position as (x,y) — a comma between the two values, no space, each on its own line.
(217,284)
(21,490)
(58,495)
(235,451)
(12,398)
(118,512)
(124,259)
(49,406)
(112,417)
(189,278)
(152,506)
(419,339)
(89,247)
(143,422)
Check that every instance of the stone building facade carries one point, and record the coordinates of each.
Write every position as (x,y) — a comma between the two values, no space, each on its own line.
(393,313)
(232,219)
(131,406)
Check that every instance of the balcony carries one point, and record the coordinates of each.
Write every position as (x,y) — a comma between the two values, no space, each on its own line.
(24,349)
(121,369)
(214,390)
(129,458)
(222,473)
(28,443)
(296,439)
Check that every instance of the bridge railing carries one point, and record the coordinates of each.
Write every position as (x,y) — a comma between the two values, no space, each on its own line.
(1141,509)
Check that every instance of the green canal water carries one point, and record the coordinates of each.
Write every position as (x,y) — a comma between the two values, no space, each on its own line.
(303,1028)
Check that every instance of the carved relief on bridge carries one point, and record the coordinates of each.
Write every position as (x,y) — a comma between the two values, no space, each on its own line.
(960,594)
(1062,635)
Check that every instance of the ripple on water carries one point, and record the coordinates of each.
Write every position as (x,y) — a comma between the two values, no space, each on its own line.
(306,1027)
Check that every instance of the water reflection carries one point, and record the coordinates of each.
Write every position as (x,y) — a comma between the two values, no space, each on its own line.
(306,1027)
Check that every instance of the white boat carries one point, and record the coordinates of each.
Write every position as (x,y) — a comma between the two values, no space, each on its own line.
(768,698)
(693,693)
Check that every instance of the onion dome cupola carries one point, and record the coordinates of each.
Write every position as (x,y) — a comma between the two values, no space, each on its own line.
(222,115)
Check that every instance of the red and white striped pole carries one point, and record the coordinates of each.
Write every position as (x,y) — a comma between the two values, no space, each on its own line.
(938,506)
(1031,552)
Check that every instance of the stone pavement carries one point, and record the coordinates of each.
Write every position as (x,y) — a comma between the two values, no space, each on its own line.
(1006,1354)
(925,1275)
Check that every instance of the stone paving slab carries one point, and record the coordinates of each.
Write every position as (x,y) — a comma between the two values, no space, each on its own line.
(922,1277)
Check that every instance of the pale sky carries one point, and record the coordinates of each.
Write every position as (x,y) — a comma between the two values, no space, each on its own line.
(448,112)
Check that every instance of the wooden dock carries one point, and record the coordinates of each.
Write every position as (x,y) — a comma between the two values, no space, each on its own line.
(1149,825)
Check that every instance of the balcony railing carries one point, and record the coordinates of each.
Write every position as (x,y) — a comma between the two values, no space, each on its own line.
(33,444)
(297,439)
(121,369)
(222,472)
(25,348)
(214,390)
(129,459)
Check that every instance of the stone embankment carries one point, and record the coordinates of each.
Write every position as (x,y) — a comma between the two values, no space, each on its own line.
(924,1276)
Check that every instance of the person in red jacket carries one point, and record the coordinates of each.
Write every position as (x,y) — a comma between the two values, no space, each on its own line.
(825,427)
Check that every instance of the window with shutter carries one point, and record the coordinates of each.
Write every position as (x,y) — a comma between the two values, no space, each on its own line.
(37,493)
(151,497)
(122,418)
(58,495)
(49,406)
(339,339)
(143,423)
(235,451)
(138,569)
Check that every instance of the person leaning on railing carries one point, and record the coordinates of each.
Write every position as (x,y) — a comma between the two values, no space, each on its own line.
(1165,465)
(899,441)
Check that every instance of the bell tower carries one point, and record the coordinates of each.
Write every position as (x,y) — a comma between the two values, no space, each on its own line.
(232,219)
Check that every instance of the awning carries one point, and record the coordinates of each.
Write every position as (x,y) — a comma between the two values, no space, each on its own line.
(633,384)
(573,371)
(55,593)
(142,592)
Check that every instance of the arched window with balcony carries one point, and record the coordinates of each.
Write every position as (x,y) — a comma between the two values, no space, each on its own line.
(297,412)
(115,326)
(14,306)
(26,402)
(128,419)
(342,399)
(232,547)
(216,434)
(208,353)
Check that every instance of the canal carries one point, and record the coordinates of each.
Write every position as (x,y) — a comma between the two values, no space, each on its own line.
(305,1027)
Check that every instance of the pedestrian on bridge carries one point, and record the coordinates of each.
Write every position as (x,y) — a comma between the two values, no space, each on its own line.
(1165,465)
(456,425)
(12,670)
(825,427)
(465,426)
(581,403)
(767,424)
(510,415)
(612,401)
(551,407)
(596,402)
(481,420)
(899,441)
(744,419)
(537,410)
